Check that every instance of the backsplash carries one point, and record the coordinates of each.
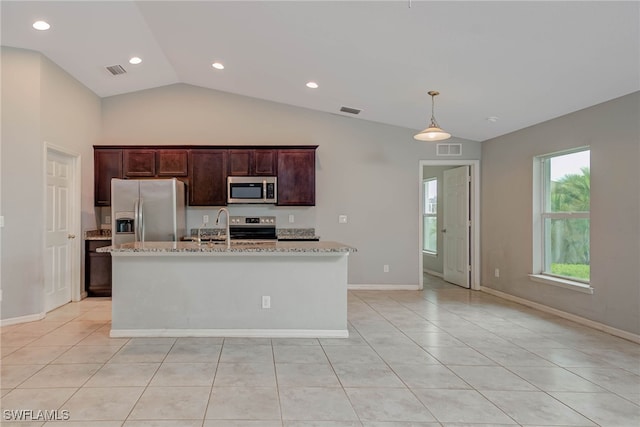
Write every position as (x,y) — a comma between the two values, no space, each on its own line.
(282,233)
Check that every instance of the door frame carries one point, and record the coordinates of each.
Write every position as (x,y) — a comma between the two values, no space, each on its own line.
(75,210)
(474,206)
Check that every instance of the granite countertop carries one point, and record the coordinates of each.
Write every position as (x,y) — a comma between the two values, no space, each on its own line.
(237,247)
(104,234)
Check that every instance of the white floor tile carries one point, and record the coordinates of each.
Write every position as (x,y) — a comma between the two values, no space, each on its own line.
(443,356)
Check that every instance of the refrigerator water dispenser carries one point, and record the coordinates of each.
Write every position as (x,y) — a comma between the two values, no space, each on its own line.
(124,222)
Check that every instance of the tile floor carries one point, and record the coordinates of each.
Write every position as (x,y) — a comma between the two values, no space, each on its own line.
(441,357)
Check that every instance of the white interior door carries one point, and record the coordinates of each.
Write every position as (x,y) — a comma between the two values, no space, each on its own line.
(59,239)
(456,226)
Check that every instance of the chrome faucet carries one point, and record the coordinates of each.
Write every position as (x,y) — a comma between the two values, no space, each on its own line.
(227,238)
(199,238)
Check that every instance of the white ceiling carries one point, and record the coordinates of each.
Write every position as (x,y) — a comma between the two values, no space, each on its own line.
(524,62)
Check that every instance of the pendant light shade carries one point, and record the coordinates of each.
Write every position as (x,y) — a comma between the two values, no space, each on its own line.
(433,132)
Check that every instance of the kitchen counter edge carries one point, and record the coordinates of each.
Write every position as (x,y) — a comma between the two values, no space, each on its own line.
(185,248)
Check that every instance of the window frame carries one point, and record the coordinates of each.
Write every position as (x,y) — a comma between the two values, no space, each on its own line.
(541,214)
(429,215)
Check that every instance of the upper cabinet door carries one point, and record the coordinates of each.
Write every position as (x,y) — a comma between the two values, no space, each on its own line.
(297,177)
(265,162)
(172,163)
(207,177)
(240,162)
(252,162)
(139,163)
(107,164)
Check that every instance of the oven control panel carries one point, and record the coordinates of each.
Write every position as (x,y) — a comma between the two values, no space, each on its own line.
(260,221)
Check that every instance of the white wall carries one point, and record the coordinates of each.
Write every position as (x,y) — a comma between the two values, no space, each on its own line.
(612,131)
(40,102)
(365,170)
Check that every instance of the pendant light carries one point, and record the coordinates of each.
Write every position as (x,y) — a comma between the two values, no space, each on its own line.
(433,132)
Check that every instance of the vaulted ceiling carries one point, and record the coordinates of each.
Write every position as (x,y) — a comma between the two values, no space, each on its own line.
(522,62)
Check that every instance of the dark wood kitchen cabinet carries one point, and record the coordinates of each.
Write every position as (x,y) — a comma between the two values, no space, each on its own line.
(207,177)
(297,177)
(139,163)
(97,280)
(258,162)
(172,163)
(205,169)
(107,164)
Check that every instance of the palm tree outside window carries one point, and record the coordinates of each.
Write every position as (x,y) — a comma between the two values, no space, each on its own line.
(565,217)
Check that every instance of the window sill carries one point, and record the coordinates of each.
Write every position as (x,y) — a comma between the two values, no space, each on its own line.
(431,254)
(562,283)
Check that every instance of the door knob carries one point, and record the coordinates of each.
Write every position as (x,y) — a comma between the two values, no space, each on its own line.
(444,230)
(71,236)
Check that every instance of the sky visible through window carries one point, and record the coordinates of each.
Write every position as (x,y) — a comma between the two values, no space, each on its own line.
(569,164)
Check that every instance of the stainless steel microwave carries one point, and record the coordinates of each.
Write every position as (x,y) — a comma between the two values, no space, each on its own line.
(252,189)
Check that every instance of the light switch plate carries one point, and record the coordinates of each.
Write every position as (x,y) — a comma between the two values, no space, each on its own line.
(266,301)
(342,219)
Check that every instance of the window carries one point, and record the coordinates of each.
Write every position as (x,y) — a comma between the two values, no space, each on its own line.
(564,223)
(430,216)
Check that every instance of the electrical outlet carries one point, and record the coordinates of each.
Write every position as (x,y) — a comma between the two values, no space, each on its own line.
(292,218)
(107,219)
(342,219)
(205,219)
(266,301)
(2,221)
(0,294)
(497,272)
(385,268)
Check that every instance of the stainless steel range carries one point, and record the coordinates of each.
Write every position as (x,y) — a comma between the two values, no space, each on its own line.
(256,228)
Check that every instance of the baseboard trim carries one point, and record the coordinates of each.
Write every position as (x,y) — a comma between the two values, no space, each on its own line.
(22,319)
(365,287)
(573,317)
(230,333)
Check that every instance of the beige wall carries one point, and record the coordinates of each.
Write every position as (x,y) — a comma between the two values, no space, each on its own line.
(612,131)
(40,103)
(368,171)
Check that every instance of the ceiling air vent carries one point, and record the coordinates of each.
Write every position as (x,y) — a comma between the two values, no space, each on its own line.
(116,70)
(449,149)
(350,110)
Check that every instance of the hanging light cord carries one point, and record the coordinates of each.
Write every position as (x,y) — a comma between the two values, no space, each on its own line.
(433,111)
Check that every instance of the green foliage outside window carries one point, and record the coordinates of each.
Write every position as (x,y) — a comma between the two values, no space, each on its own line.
(570,253)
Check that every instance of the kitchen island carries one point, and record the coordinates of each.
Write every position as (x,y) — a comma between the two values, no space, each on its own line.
(186,289)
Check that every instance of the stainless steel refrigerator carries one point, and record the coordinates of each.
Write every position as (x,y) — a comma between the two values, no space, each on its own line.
(147,210)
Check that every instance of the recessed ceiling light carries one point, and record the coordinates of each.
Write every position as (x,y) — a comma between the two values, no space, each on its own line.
(312,85)
(135,60)
(492,119)
(41,25)
(217,66)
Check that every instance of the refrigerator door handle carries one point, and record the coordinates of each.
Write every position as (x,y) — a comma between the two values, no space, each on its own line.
(136,219)
(141,213)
